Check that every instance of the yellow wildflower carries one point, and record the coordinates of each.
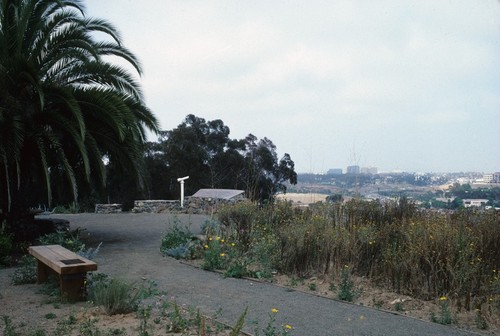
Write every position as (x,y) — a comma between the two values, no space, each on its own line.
(222,254)
(442,298)
(274,310)
(205,246)
(233,244)
(289,327)
(222,240)
(217,238)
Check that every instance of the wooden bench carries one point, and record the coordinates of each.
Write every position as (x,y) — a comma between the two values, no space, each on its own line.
(70,267)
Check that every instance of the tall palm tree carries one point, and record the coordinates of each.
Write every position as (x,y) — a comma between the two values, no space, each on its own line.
(63,105)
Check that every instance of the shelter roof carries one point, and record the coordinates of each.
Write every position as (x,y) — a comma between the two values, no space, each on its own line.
(226,194)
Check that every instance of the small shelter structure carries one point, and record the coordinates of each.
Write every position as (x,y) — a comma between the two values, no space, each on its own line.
(221,194)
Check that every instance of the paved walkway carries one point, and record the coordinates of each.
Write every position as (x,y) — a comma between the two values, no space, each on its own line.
(130,250)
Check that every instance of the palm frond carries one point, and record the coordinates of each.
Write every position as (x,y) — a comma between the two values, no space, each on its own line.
(63,104)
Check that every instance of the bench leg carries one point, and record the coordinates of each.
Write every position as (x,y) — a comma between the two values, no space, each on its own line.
(72,286)
(42,272)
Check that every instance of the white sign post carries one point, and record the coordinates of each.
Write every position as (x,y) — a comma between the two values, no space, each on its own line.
(181,181)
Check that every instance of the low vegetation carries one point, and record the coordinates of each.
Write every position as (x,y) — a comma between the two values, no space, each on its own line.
(420,253)
(139,309)
(146,310)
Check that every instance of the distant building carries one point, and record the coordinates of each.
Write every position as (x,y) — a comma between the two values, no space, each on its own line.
(475,202)
(369,170)
(488,178)
(464,180)
(352,170)
(491,178)
(334,171)
(496,177)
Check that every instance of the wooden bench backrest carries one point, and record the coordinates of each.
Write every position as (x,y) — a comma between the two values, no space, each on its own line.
(62,260)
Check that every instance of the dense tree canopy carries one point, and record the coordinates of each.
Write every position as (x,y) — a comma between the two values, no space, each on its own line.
(63,105)
(203,150)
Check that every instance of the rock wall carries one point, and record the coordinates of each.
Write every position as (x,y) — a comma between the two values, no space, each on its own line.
(108,208)
(192,205)
(156,206)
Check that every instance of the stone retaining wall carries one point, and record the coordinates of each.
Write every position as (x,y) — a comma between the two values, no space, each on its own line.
(156,206)
(192,205)
(108,208)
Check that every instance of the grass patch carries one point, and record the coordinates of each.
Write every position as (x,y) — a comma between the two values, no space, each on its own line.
(115,296)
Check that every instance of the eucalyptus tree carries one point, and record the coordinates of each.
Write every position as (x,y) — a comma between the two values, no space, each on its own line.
(265,175)
(189,150)
(65,107)
(203,150)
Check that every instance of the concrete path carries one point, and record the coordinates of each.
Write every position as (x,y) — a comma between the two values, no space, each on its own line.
(130,250)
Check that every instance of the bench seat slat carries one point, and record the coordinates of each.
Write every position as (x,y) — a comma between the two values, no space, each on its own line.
(53,255)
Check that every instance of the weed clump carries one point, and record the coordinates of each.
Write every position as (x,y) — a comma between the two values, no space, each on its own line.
(346,286)
(115,296)
(178,242)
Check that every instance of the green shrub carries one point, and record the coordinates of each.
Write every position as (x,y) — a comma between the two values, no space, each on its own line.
(177,242)
(214,256)
(115,296)
(50,316)
(236,269)
(346,286)
(68,239)
(271,329)
(444,314)
(178,323)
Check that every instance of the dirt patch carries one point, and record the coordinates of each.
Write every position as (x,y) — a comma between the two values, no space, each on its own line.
(368,295)
(26,310)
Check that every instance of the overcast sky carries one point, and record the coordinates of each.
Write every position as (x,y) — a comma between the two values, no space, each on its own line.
(394,84)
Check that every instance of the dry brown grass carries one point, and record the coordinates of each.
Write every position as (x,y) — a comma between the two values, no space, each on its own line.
(304,199)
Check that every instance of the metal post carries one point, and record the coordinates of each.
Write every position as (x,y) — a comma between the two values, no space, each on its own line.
(181,181)
(182,194)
